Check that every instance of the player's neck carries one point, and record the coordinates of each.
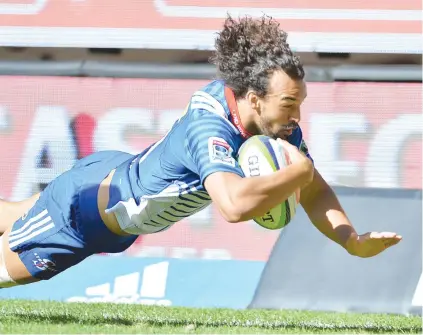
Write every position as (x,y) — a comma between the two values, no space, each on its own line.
(248,117)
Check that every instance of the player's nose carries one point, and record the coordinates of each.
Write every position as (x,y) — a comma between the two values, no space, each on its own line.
(296,116)
(295,119)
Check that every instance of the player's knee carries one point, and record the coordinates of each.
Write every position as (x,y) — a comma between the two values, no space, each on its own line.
(5,279)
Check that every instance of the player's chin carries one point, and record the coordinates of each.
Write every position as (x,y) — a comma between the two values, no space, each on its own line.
(283,135)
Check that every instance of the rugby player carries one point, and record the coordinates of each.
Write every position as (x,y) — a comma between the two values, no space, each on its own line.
(109,198)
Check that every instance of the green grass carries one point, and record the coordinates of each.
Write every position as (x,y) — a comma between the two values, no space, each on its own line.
(23,317)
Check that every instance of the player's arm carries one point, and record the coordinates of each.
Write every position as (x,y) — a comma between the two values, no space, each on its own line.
(325,212)
(321,204)
(241,199)
(210,143)
(327,215)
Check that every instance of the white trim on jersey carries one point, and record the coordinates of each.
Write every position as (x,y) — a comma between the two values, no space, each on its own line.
(170,191)
(185,188)
(155,211)
(204,96)
(183,209)
(212,106)
(197,105)
(173,190)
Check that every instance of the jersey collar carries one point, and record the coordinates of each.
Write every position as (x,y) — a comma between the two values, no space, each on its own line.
(233,109)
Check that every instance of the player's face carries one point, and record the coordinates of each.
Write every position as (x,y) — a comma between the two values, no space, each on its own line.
(279,111)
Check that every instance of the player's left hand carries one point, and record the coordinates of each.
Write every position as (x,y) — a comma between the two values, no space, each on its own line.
(371,244)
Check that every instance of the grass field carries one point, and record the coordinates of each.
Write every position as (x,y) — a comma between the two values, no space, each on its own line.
(53,317)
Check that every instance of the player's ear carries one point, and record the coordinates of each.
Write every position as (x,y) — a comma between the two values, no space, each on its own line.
(253,101)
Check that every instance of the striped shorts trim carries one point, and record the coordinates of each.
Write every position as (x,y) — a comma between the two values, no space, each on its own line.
(31,229)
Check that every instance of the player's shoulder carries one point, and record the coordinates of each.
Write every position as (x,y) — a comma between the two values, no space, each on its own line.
(209,108)
(210,100)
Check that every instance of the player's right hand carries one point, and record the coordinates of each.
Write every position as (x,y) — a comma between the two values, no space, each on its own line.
(298,158)
(295,155)
(372,243)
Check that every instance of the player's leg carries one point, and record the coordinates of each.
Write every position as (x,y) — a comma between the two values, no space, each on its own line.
(10,211)
(43,243)
(12,270)
(64,225)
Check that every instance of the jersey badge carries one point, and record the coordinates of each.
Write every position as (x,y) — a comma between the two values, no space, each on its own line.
(220,151)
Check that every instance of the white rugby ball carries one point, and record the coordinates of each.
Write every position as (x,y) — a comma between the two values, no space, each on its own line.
(261,155)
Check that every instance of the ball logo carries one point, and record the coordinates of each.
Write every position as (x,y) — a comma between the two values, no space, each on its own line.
(267,217)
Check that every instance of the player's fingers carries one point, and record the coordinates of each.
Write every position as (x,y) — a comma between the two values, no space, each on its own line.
(374,235)
(388,234)
(286,145)
(382,235)
(390,242)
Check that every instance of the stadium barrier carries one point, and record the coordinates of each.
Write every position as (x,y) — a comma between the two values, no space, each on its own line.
(307,271)
(320,26)
(149,281)
(120,69)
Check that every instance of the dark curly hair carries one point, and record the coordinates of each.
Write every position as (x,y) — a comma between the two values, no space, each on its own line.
(249,50)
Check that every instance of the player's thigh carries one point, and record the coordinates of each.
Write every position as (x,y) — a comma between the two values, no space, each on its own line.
(12,211)
(45,242)
(15,268)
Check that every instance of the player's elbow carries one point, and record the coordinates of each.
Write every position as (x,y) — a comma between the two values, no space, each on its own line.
(238,209)
(241,207)
(231,214)
(227,191)
(232,209)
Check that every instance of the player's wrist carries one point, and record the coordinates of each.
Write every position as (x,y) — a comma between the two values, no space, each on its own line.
(351,243)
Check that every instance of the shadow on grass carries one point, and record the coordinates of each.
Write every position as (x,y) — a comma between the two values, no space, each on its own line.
(285,325)
(163,321)
(65,319)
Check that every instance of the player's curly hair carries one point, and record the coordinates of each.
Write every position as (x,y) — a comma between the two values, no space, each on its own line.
(249,50)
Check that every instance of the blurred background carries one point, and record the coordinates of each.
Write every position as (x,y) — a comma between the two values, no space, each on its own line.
(81,76)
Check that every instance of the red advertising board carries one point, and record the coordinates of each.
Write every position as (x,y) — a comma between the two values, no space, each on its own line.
(372,26)
(359,134)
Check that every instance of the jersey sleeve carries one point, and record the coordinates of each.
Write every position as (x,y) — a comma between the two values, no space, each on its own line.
(297,139)
(212,146)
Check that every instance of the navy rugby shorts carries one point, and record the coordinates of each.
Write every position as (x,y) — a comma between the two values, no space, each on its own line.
(64,226)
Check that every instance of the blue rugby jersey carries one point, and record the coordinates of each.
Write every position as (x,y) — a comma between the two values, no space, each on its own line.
(164,184)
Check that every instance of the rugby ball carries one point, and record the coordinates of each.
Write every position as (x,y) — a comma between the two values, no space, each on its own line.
(261,155)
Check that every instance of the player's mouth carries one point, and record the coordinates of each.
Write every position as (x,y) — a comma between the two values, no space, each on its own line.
(288,129)
(283,134)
